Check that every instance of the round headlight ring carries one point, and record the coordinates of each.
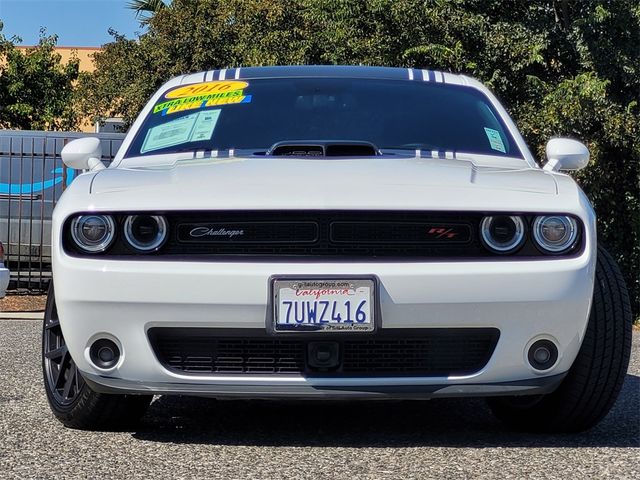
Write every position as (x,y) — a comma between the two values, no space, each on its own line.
(156,239)
(506,246)
(93,233)
(546,231)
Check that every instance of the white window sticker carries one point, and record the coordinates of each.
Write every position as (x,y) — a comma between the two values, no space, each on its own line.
(205,123)
(495,140)
(190,128)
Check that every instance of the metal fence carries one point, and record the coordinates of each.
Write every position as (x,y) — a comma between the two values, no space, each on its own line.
(32,178)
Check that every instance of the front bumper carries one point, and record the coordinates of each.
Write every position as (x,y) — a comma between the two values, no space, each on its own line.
(532,386)
(525,300)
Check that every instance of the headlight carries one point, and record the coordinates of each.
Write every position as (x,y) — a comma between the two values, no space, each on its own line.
(555,233)
(146,233)
(502,234)
(93,233)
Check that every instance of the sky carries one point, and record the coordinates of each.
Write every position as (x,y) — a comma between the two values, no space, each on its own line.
(78,23)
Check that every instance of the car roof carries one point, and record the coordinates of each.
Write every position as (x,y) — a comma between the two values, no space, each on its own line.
(324,71)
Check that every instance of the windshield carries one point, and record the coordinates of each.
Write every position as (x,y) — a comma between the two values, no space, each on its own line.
(255,114)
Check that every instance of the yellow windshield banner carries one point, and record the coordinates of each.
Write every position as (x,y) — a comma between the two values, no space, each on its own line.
(207,88)
(201,101)
(203,95)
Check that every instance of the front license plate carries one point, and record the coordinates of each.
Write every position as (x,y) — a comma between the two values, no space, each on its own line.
(319,305)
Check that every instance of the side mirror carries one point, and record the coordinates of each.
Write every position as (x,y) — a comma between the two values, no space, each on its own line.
(566,154)
(83,154)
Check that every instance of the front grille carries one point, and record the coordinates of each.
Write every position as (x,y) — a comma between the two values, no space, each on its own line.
(421,233)
(326,234)
(247,232)
(394,352)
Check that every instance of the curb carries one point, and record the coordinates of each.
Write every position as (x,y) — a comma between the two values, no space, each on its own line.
(21,315)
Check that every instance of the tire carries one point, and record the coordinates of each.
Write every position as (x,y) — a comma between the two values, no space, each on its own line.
(71,399)
(594,381)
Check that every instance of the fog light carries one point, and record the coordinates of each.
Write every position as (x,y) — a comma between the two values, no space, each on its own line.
(104,353)
(543,354)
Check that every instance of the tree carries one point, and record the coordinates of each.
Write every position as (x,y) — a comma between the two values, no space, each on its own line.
(146,9)
(562,68)
(35,87)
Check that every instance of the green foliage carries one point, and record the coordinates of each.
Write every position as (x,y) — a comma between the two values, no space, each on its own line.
(35,88)
(561,67)
(127,87)
(582,107)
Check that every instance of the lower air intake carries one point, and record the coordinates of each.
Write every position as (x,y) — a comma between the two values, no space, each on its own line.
(389,352)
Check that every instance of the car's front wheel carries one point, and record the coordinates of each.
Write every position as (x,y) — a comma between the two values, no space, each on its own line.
(592,384)
(71,399)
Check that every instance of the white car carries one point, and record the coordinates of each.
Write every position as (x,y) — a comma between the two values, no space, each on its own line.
(327,232)
(4,274)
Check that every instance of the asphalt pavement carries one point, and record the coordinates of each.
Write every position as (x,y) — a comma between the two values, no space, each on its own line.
(202,438)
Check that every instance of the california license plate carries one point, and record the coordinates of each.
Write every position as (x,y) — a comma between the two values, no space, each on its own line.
(324,305)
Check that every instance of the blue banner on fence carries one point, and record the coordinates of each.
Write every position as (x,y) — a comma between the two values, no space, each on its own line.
(38,187)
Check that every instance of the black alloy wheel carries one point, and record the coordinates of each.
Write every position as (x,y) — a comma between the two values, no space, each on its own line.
(61,373)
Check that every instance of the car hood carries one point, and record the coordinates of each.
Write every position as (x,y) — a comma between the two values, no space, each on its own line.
(290,183)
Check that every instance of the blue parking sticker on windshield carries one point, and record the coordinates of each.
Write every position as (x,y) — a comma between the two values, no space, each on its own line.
(495,140)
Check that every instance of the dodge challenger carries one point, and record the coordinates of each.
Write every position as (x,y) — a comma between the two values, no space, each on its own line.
(331,233)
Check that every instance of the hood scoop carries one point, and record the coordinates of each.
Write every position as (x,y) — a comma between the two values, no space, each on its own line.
(336,148)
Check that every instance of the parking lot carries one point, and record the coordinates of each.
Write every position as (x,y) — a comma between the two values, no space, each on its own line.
(202,438)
